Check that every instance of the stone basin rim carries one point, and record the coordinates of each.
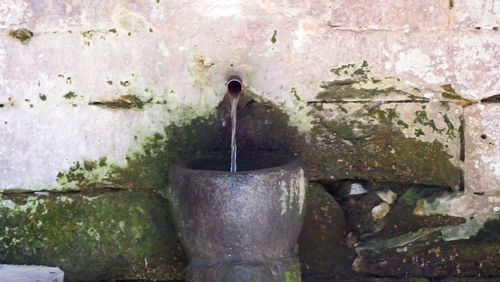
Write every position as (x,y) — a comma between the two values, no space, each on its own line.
(288,165)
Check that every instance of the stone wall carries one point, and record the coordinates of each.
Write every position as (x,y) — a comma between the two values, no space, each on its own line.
(102,97)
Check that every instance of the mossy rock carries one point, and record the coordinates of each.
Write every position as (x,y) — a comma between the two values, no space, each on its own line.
(462,258)
(114,235)
(341,149)
(322,247)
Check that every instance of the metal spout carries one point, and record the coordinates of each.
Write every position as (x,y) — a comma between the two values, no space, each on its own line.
(234,85)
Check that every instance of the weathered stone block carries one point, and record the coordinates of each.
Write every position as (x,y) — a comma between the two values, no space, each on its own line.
(21,273)
(472,14)
(322,245)
(115,235)
(395,141)
(433,260)
(145,67)
(388,15)
(482,153)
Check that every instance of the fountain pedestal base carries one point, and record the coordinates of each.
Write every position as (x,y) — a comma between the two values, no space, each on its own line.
(246,271)
(239,226)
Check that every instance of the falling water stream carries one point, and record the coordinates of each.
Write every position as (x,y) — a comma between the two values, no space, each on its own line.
(234,104)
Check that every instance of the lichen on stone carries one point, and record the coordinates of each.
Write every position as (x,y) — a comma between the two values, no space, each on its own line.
(123,102)
(273,38)
(127,235)
(69,95)
(23,35)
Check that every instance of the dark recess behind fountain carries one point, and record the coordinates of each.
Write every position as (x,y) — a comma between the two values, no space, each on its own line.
(261,127)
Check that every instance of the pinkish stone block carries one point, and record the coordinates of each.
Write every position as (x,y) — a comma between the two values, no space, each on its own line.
(482,148)
(471,14)
(382,14)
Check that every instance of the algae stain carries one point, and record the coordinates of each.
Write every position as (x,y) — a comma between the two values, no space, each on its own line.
(273,38)
(69,95)
(23,35)
(123,102)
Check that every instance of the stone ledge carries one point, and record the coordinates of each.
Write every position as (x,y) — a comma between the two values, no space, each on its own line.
(28,273)
(114,235)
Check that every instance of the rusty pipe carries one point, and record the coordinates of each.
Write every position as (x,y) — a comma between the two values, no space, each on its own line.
(234,85)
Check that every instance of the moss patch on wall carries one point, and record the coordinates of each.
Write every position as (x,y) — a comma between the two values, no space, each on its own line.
(350,149)
(123,102)
(115,235)
(338,148)
(431,259)
(23,35)
(148,168)
(372,128)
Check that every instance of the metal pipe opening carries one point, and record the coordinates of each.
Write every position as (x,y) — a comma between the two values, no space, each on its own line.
(234,85)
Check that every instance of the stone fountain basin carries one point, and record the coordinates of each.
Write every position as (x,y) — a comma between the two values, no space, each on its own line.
(250,216)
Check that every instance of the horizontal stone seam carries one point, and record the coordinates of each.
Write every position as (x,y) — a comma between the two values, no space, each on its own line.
(414,28)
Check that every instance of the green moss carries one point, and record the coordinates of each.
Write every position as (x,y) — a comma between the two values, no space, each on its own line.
(340,127)
(449,92)
(421,117)
(344,89)
(342,108)
(403,124)
(360,71)
(379,152)
(89,165)
(123,102)
(479,251)
(293,91)
(113,30)
(340,70)
(125,83)
(69,95)
(450,131)
(109,82)
(414,193)
(293,274)
(93,237)
(489,232)
(23,35)
(102,161)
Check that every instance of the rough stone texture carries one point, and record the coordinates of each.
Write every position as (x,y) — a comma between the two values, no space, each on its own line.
(473,14)
(476,209)
(409,142)
(116,235)
(101,94)
(402,220)
(463,248)
(28,273)
(482,148)
(239,226)
(392,15)
(322,247)
(143,54)
(434,260)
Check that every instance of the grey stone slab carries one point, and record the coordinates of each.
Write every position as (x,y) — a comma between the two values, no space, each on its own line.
(29,273)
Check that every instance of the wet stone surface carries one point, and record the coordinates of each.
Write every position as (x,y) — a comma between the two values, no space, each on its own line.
(323,250)
(115,235)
